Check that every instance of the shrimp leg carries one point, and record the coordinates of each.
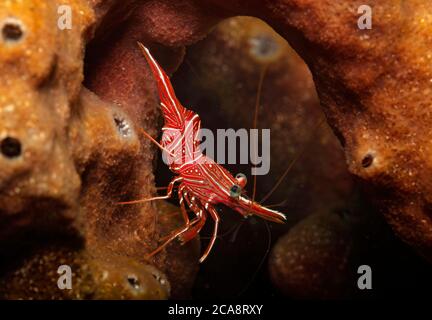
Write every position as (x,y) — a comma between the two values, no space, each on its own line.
(200,217)
(185,216)
(167,196)
(216,220)
(180,231)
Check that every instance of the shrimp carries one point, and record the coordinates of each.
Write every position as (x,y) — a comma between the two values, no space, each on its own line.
(201,182)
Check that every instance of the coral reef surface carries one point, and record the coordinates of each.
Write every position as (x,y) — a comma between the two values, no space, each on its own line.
(69,153)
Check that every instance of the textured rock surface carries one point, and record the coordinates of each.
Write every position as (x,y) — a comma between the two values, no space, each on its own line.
(374,87)
(105,277)
(68,157)
(42,82)
(65,153)
(312,259)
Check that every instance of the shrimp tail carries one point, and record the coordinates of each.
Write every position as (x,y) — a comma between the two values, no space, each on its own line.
(173,111)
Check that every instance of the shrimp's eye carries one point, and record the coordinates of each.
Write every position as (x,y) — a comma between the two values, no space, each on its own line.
(241,179)
(235,191)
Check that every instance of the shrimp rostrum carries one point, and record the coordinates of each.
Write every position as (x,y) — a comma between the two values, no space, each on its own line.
(201,182)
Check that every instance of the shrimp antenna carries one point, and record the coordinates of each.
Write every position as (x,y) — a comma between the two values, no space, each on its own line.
(293,162)
(255,121)
(263,259)
(155,142)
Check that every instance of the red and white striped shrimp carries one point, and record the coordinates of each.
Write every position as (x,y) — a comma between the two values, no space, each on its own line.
(202,183)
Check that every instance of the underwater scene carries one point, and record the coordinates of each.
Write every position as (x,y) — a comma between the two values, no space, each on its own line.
(200,150)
